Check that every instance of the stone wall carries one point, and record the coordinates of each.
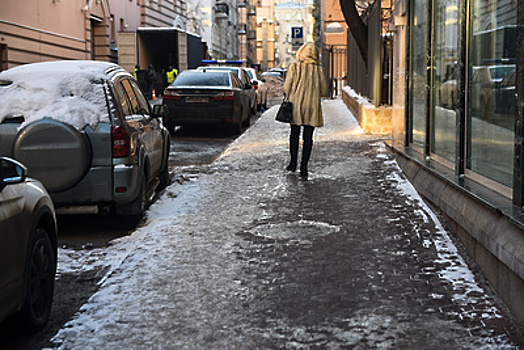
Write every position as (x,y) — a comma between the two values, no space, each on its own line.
(373,120)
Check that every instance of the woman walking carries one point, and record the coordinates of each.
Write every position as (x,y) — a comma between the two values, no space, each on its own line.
(305,85)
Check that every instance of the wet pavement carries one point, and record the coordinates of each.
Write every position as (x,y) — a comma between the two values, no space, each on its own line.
(245,255)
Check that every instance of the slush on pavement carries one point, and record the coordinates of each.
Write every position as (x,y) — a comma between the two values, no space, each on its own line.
(249,256)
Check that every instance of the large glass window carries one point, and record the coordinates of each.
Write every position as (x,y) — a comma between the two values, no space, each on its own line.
(419,72)
(445,78)
(491,98)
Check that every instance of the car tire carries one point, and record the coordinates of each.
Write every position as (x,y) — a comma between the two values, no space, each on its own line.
(140,203)
(238,127)
(247,122)
(40,277)
(163,176)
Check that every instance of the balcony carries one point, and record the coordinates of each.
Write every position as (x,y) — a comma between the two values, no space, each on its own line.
(242,30)
(222,10)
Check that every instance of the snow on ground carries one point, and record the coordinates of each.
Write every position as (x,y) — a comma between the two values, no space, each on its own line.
(128,259)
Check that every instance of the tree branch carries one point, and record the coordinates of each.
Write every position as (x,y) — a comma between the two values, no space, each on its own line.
(356,25)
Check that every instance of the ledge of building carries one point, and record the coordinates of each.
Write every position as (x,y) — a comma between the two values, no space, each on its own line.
(373,120)
(493,237)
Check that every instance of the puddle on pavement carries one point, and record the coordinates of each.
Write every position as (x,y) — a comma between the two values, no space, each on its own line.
(302,231)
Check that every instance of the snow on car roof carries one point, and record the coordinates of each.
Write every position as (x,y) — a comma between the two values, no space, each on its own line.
(68,91)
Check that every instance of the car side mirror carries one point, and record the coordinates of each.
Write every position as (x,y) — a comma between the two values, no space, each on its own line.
(248,86)
(263,80)
(160,111)
(11,172)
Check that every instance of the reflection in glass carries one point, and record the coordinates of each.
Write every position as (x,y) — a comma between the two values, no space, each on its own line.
(491,116)
(445,79)
(419,75)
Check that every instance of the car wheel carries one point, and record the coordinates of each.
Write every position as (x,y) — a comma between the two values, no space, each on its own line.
(140,203)
(247,122)
(238,126)
(39,284)
(163,176)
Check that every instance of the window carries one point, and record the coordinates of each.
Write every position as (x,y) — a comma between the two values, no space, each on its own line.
(491,93)
(419,73)
(137,103)
(123,100)
(445,79)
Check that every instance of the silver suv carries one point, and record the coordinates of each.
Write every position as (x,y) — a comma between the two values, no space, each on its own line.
(86,131)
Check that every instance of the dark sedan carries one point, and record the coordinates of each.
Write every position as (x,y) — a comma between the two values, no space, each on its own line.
(207,97)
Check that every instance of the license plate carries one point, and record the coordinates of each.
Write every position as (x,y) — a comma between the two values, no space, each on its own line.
(197,99)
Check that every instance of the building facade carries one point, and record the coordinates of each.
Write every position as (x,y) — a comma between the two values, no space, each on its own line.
(265,34)
(217,22)
(458,124)
(334,24)
(292,17)
(33,31)
(247,31)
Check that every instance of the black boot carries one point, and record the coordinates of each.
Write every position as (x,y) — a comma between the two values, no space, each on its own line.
(306,150)
(293,147)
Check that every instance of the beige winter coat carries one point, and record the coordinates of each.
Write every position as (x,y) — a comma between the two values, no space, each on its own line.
(305,84)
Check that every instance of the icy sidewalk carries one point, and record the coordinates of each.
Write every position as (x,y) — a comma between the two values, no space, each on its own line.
(248,256)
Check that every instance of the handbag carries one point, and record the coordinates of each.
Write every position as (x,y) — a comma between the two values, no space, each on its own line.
(285,112)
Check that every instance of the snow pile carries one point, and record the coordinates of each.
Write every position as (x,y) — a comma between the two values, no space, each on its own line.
(354,95)
(73,92)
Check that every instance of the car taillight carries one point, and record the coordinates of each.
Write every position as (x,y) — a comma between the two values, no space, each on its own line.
(171,95)
(121,142)
(224,96)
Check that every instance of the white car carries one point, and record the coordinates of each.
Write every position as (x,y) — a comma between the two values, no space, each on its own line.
(259,86)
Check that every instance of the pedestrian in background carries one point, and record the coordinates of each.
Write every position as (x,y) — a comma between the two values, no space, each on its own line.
(151,79)
(171,74)
(305,85)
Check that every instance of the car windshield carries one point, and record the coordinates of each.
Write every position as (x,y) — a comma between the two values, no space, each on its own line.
(500,72)
(202,79)
(226,69)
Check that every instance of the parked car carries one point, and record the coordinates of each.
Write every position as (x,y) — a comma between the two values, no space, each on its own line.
(207,97)
(28,248)
(87,132)
(260,87)
(484,83)
(273,74)
(506,98)
(448,91)
(241,73)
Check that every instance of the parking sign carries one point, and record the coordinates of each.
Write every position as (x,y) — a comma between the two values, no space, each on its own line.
(297,37)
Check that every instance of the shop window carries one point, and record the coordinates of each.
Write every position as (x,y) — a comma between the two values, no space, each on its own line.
(445,79)
(419,73)
(491,94)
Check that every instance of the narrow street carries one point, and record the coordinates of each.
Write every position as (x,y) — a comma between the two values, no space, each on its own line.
(246,255)
(191,149)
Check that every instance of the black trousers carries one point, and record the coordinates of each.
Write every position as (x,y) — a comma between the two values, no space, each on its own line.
(307,137)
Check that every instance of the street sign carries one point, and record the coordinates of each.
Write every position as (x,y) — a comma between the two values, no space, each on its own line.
(297,37)
(297,33)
